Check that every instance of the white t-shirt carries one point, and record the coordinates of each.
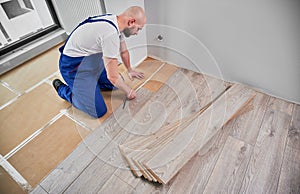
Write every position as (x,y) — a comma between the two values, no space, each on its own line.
(95,37)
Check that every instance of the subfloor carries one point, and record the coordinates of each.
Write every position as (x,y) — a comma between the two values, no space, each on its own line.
(51,147)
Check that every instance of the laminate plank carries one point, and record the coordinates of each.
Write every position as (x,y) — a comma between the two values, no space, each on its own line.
(127,176)
(91,179)
(161,141)
(99,171)
(231,166)
(289,181)
(61,177)
(277,104)
(167,162)
(193,176)
(148,145)
(264,167)
(116,185)
(142,125)
(128,151)
(205,88)
(198,86)
(145,186)
(112,126)
(38,190)
(247,126)
(167,97)
(110,155)
(294,129)
(155,143)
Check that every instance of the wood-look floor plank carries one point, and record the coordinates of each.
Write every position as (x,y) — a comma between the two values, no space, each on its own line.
(110,156)
(201,165)
(168,162)
(162,95)
(277,104)
(61,177)
(145,186)
(111,160)
(91,179)
(193,177)
(38,190)
(289,181)
(170,98)
(247,126)
(99,171)
(264,167)
(116,185)
(231,166)
(191,101)
(294,130)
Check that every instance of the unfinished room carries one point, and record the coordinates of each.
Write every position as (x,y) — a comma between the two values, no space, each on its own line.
(149,96)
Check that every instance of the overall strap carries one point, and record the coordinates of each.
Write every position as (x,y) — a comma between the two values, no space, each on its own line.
(90,20)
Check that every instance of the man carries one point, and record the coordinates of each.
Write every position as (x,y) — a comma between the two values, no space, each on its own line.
(89,60)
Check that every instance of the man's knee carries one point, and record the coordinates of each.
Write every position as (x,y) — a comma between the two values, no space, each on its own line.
(101,112)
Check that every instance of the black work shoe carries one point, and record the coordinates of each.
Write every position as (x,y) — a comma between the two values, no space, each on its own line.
(56,83)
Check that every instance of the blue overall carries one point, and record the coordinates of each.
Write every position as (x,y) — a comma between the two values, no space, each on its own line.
(85,77)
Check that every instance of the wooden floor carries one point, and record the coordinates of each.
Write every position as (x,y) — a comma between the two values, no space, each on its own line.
(256,152)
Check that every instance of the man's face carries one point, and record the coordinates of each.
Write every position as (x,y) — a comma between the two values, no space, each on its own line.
(131,31)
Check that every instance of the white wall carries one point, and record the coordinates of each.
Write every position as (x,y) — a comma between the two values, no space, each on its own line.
(137,45)
(254,42)
(71,12)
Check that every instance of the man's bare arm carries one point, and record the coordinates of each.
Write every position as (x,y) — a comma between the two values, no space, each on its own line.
(111,66)
(126,60)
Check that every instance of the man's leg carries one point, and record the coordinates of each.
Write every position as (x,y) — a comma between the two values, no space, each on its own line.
(64,91)
(86,94)
(68,69)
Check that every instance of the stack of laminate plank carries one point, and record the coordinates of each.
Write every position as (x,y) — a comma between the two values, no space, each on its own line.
(159,156)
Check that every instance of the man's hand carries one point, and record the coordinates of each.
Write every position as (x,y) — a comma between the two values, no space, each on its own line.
(135,74)
(131,95)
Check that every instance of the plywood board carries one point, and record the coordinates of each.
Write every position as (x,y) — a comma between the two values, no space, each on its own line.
(29,113)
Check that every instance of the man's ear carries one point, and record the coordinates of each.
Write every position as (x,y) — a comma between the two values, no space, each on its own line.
(131,22)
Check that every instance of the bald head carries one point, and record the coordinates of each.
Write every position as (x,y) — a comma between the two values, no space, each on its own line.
(132,20)
(135,12)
